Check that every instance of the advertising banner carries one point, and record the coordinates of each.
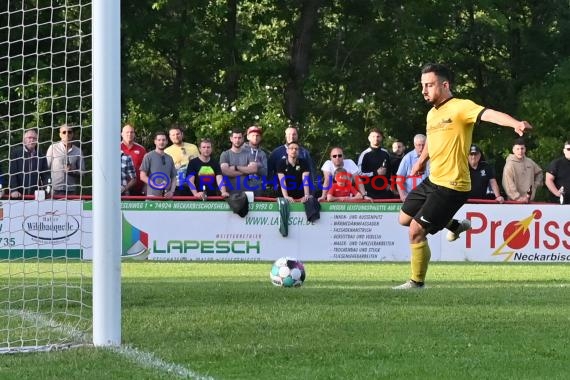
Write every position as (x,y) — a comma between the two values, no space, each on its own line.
(345,232)
(173,230)
(210,231)
(42,229)
(533,233)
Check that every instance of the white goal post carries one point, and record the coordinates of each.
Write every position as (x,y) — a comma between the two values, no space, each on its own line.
(59,71)
(106,151)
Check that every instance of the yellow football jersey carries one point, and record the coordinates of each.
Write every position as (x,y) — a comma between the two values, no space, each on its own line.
(449,134)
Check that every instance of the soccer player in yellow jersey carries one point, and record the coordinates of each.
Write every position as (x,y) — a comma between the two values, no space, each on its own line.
(430,207)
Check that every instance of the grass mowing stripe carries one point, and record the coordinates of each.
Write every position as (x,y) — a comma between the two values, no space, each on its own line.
(149,360)
(141,358)
(226,320)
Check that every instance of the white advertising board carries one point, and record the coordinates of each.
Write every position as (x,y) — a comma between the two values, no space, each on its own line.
(44,229)
(172,230)
(210,231)
(533,233)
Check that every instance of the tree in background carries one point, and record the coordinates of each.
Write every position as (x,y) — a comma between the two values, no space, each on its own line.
(335,67)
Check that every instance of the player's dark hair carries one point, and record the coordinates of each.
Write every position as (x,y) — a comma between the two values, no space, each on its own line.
(441,71)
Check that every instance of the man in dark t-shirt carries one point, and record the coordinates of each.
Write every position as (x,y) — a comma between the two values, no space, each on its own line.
(482,177)
(294,175)
(204,174)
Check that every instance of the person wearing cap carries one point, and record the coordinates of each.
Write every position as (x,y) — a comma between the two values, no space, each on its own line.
(258,156)
(482,176)
(374,163)
(521,175)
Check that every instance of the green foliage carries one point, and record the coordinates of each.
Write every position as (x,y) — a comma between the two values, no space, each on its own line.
(363,70)
(192,62)
(550,109)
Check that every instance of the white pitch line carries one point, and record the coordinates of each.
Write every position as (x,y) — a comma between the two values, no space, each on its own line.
(141,358)
(149,360)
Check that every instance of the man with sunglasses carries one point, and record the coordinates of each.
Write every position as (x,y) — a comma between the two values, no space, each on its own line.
(66,163)
(157,170)
(338,161)
(558,177)
(181,153)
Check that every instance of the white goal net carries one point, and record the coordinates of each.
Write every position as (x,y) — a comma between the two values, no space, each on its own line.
(45,144)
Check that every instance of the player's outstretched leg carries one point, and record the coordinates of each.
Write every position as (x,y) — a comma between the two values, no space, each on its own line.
(456,228)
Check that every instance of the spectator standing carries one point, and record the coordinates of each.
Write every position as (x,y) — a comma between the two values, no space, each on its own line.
(136,152)
(29,170)
(256,181)
(181,153)
(294,176)
(205,174)
(128,174)
(558,176)
(336,161)
(398,152)
(158,171)
(66,163)
(404,181)
(235,164)
(521,175)
(375,163)
(482,176)
(280,153)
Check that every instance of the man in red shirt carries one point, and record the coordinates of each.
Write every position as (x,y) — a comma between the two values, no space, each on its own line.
(137,152)
(342,188)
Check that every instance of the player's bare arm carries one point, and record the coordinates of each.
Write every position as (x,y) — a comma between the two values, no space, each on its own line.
(506,120)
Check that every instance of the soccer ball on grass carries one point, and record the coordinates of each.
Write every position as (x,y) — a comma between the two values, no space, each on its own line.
(287,272)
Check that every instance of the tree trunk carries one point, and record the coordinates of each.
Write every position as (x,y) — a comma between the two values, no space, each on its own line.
(232,54)
(299,63)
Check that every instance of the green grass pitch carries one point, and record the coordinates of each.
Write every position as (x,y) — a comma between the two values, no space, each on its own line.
(227,321)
